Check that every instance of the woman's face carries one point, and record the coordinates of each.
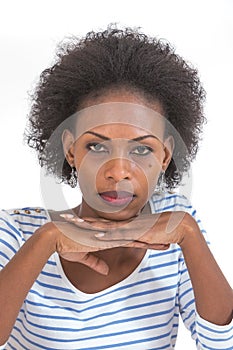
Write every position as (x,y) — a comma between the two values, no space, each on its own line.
(118,153)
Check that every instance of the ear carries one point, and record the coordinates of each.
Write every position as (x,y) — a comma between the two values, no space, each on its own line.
(68,146)
(169,146)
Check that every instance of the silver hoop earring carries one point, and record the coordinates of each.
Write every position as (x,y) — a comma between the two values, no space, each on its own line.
(73,178)
(161,184)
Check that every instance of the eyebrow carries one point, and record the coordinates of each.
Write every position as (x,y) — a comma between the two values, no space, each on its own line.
(140,138)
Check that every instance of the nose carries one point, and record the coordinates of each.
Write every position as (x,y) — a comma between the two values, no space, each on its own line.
(118,169)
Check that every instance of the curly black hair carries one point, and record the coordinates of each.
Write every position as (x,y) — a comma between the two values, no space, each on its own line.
(117,58)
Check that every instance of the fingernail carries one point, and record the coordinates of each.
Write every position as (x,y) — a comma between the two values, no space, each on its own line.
(67,216)
(71,217)
(76,219)
(99,234)
(79,220)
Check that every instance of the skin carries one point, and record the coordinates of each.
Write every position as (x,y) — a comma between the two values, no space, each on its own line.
(209,285)
(97,266)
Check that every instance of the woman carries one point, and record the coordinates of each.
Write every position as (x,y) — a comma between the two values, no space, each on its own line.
(122,114)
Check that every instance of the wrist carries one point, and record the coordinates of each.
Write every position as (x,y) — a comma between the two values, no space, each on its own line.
(191,233)
(48,237)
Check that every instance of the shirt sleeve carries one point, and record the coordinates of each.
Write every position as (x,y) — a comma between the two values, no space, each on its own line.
(207,335)
(11,238)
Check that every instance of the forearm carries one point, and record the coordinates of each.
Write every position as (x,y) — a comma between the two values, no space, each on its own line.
(213,294)
(19,275)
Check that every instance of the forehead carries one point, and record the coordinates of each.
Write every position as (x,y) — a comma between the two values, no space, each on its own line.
(125,117)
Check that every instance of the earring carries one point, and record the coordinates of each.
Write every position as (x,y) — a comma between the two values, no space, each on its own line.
(73,178)
(161,184)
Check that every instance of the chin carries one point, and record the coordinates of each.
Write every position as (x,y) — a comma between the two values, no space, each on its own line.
(121,215)
(115,213)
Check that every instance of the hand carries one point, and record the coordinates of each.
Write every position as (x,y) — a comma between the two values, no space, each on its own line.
(71,250)
(86,230)
(153,231)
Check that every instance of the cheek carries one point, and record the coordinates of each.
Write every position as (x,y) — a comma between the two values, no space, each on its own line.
(151,169)
(150,165)
(86,173)
(151,175)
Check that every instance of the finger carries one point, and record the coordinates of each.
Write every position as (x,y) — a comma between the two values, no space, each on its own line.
(138,244)
(108,224)
(69,217)
(95,263)
(131,242)
(88,222)
(89,260)
(97,225)
(79,222)
(131,229)
(90,219)
(114,235)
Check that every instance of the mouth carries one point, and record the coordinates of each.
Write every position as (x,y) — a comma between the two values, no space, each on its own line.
(117,198)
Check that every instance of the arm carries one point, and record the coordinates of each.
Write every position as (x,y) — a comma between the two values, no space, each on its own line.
(210,329)
(213,295)
(17,277)
(19,274)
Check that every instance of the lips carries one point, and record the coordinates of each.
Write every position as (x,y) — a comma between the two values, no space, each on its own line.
(117,197)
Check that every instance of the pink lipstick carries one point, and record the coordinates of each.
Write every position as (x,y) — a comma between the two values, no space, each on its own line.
(117,198)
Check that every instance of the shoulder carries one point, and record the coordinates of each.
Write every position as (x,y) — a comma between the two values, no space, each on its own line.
(24,219)
(170,201)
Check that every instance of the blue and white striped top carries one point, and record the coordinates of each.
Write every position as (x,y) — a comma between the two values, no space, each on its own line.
(140,312)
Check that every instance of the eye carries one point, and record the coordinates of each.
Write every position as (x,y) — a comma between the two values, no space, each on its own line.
(142,150)
(96,147)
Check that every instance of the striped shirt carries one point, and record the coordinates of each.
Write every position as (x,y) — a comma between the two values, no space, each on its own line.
(140,312)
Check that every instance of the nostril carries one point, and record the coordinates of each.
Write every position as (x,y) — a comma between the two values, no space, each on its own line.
(118,170)
(117,177)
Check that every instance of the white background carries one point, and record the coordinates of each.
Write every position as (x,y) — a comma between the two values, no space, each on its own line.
(201,31)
